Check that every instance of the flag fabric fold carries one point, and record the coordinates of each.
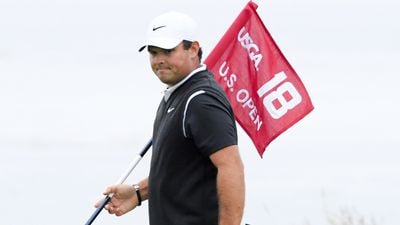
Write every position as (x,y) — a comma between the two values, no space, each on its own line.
(266,93)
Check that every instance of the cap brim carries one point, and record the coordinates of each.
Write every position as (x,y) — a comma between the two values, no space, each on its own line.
(162,43)
(143,47)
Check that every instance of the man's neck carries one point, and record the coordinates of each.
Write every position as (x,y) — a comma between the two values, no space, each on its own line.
(171,89)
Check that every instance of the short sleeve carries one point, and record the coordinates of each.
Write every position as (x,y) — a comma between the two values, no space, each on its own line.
(209,123)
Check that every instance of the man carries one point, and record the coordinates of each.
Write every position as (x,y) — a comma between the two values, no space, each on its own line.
(196,175)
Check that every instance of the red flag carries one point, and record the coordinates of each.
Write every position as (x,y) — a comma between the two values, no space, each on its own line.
(266,94)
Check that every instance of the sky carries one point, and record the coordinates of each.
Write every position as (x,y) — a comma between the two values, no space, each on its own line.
(77,103)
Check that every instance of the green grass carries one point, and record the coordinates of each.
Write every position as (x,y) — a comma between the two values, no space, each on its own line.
(348,217)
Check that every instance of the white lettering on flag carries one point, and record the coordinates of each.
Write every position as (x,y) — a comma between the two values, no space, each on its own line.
(242,96)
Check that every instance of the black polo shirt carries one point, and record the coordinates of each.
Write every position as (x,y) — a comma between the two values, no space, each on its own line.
(196,121)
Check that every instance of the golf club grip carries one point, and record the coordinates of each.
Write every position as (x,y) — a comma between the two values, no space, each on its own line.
(98,210)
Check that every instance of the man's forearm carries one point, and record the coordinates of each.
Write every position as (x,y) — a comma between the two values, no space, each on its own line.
(144,189)
(231,192)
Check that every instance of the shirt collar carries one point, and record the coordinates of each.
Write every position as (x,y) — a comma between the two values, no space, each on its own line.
(168,92)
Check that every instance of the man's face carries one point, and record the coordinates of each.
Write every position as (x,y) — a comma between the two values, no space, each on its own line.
(170,65)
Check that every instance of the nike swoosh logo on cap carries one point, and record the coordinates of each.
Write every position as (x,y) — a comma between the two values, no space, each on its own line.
(156,28)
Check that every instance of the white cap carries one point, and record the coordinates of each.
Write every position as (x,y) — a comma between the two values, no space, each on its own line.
(169,29)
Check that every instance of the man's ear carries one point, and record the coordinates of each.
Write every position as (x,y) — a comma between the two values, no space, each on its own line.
(194,49)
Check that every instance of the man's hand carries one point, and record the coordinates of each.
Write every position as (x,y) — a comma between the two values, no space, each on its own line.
(123,199)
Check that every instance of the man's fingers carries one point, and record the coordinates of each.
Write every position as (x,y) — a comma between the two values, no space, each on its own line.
(98,203)
(107,191)
(111,209)
(120,211)
(110,190)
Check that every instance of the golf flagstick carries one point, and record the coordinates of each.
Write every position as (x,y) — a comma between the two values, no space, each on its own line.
(121,180)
